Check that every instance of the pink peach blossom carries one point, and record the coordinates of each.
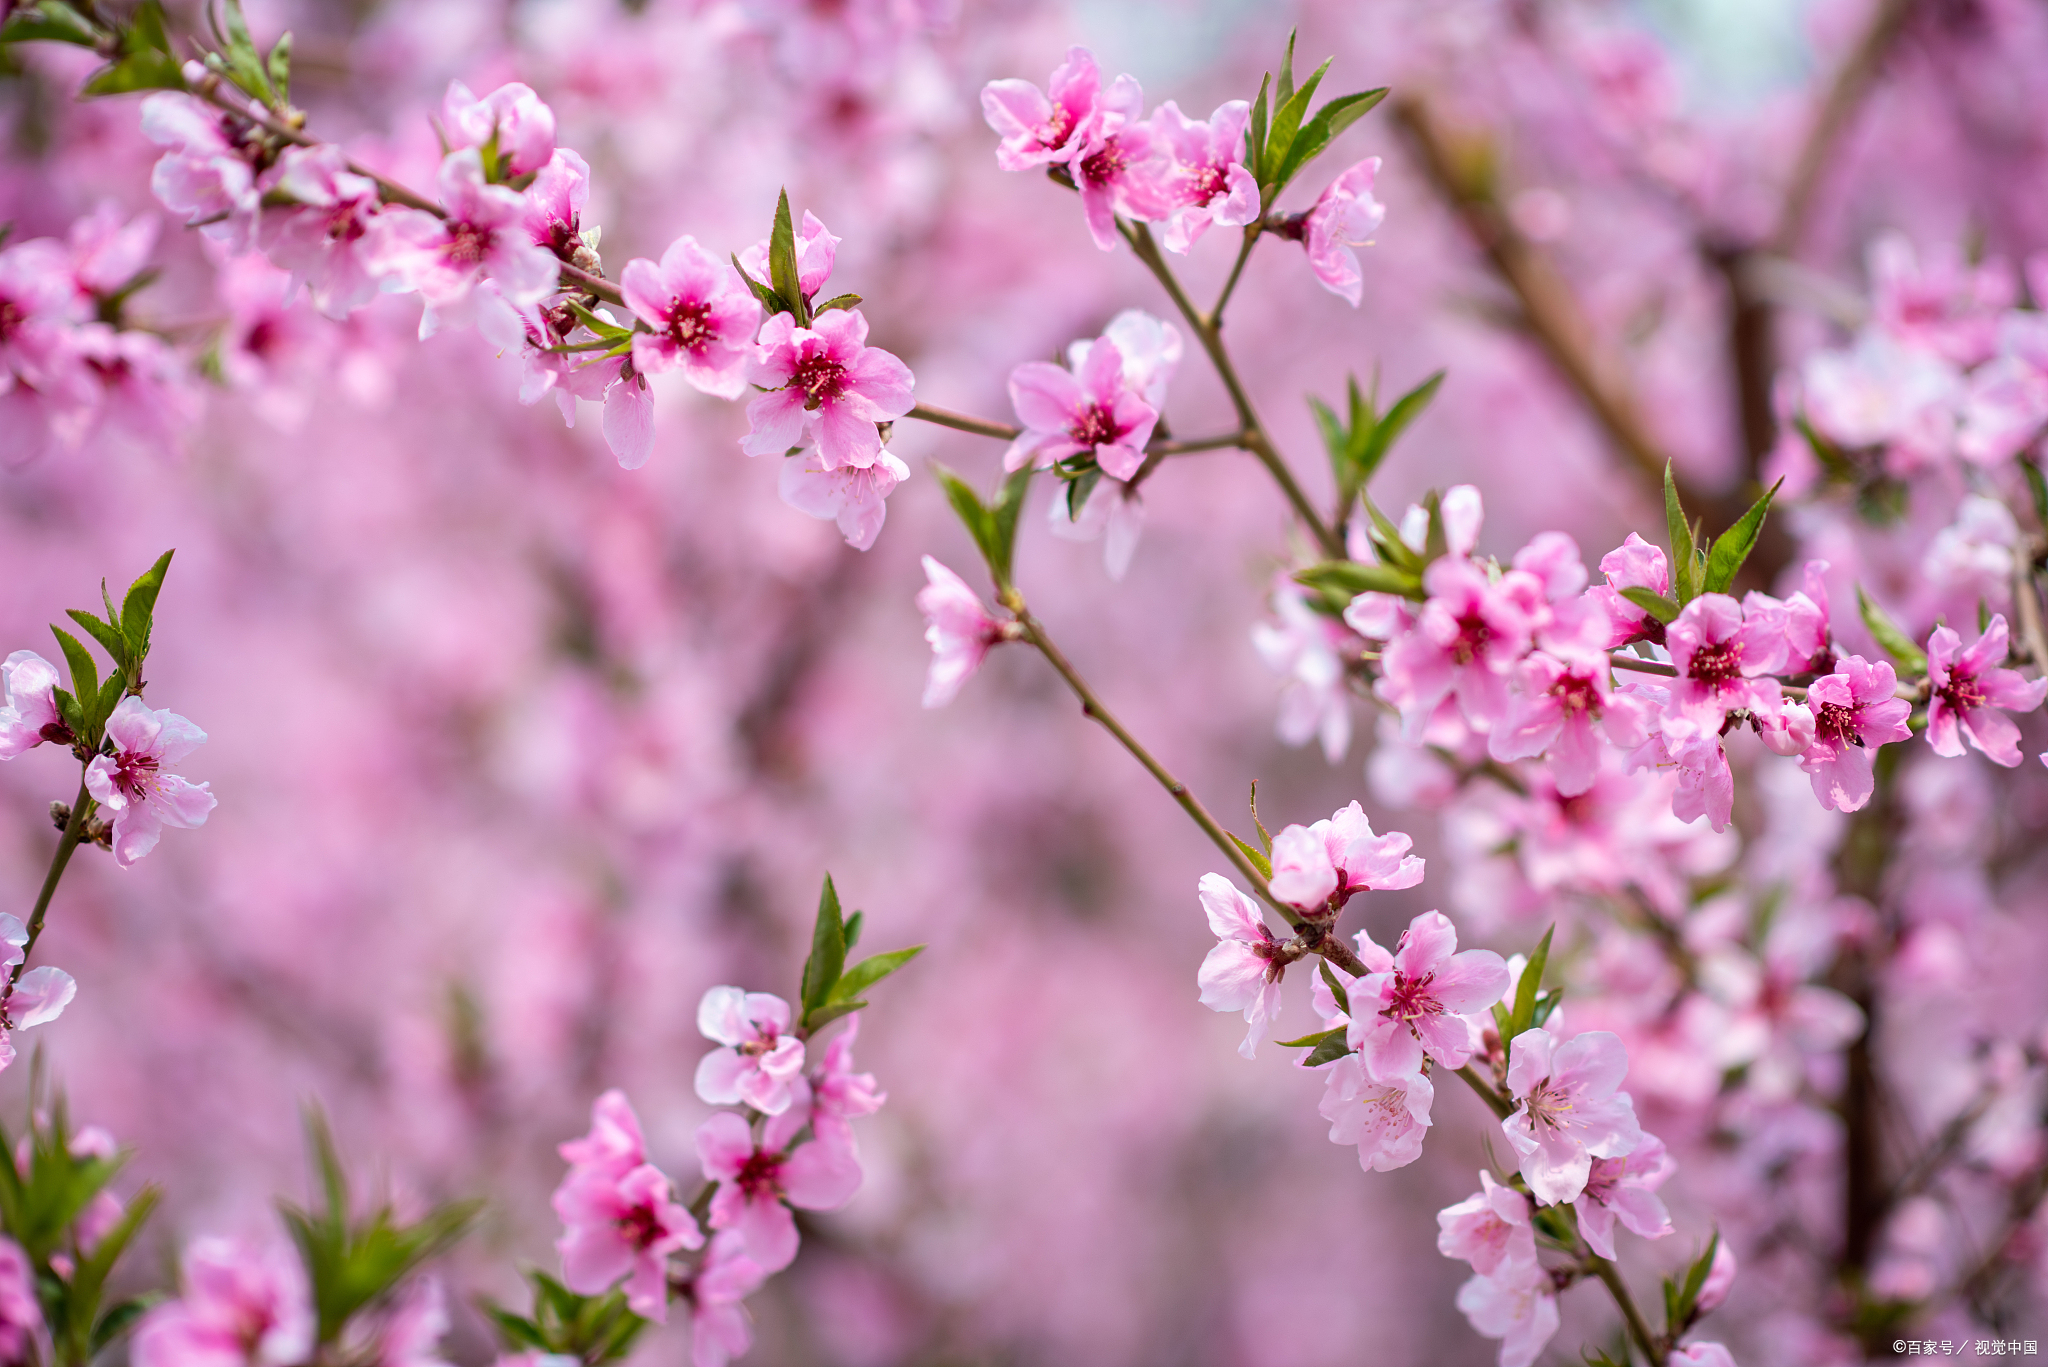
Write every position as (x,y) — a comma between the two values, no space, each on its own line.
(958,629)
(512,118)
(132,782)
(1855,710)
(30,717)
(620,1221)
(1046,127)
(719,1328)
(1968,686)
(1243,971)
(1385,1117)
(1488,1228)
(704,318)
(1344,218)
(760,1059)
(1518,1306)
(1208,182)
(755,1180)
(1093,410)
(241,1307)
(1572,1111)
(1625,1189)
(826,381)
(1415,999)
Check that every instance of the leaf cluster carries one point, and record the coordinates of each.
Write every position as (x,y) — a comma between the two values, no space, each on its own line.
(783,291)
(40,1208)
(1532,1005)
(830,989)
(1697,566)
(1890,635)
(1682,1295)
(353,1261)
(592,1329)
(266,78)
(1360,440)
(124,633)
(992,525)
(1284,136)
(1399,568)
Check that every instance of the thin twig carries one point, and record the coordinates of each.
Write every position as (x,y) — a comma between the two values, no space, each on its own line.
(1853,81)
(67,844)
(1257,440)
(1638,1328)
(961,422)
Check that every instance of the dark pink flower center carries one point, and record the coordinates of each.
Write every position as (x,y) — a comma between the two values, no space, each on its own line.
(1206,183)
(1096,426)
(761,1044)
(821,378)
(760,1177)
(641,1225)
(112,372)
(134,771)
(1104,164)
(1716,663)
(467,244)
(1836,724)
(1412,998)
(262,338)
(689,324)
(12,316)
(1473,634)
(1057,127)
(1576,694)
(1604,1178)
(344,224)
(1961,692)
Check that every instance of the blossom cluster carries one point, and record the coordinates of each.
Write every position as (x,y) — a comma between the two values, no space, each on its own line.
(790,1147)
(503,247)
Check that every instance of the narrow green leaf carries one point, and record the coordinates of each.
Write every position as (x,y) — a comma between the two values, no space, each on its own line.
(1009,505)
(832,1011)
(110,698)
(1387,538)
(870,971)
(1650,601)
(147,69)
(782,258)
(1336,986)
(106,633)
(1406,410)
(1547,1003)
(147,27)
(765,294)
(138,608)
(50,21)
(1322,129)
(1253,853)
(828,949)
(279,66)
(1283,89)
(1680,532)
(1437,544)
(1287,123)
(1255,141)
(1355,577)
(1889,635)
(1309,1041)
(69,712)
(517,1332)
(839,301)
(120,1318)
(1336,438)
(85,675)
(1329,1051)
(853,925)
(1523,1016)
(1733,546)
(978,520)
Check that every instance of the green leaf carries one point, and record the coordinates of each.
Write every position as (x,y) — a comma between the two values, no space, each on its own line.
(598,323)
(782,260)
(1253,853)
(853,924)
(828,949)
(765,294)
(69,712)
(106,633)
(1355,577)
(110,698)
(50,21)
(1523,1017)
(1287,117)
(979,520)
(1329,1051)
(1321,130)
(1680,532)
(1009,505)
(1336,986)
(145,70)
(279,66)
(238,55)
(1654,603)
(1682,1302)
(1336,439)
(147,27)
(1733,546)
(870,971)
(1406,410)
(1889,635)
(1309,1041)
(85,675)
(839,301)
(1545,1004)
(1386,538)
(120,1318)
(1437,544)
(832,1011)
(138,612)
(1255,143)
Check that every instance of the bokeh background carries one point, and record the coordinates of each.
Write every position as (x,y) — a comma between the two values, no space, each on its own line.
(518,752)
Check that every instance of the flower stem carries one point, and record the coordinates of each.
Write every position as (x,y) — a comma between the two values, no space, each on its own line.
(1329,946)
(70,840)
(1207,332)
(1638,1328)
(1244,254)
(1499,1104)
(961,422)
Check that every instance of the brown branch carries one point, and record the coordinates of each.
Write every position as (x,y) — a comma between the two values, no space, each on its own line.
(1458,168)
(1853,81)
